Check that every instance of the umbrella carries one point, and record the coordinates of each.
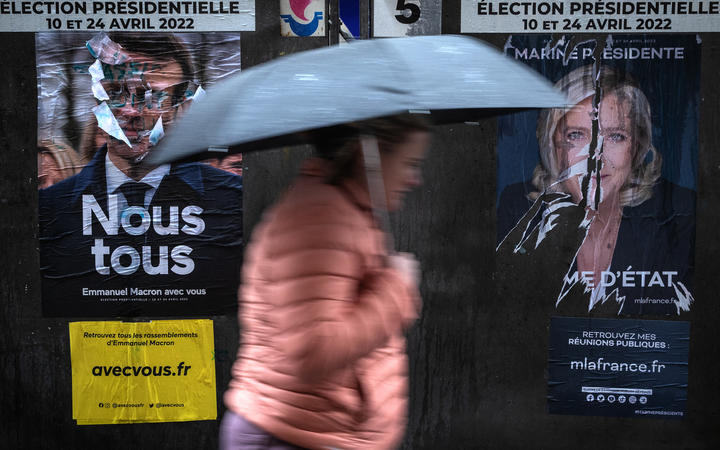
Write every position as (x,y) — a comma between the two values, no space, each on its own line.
(451,78)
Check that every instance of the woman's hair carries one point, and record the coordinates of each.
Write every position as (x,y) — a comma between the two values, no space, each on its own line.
(578,85)
(340,145)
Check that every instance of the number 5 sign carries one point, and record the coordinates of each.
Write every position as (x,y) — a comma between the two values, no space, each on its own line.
(406,17)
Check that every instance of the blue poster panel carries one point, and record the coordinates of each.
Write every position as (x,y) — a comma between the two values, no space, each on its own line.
(601,194)
(615,367)
(350,16)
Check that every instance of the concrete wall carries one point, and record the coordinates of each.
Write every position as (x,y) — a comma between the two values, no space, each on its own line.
(478,355)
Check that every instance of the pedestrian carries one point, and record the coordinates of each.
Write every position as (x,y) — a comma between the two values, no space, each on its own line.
(324,308)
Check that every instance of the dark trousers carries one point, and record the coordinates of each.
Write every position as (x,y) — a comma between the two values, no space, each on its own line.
(237,433)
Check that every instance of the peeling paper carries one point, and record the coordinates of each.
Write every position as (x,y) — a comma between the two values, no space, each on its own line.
(96,71)
(65,95)
(575,47)
(609,41)
(157,132)
(579,168)
(685,298)
(579,171)
(99,91)
(103,48)
(198,95)
(107,122)
(508,45)
(553,48)
(597,294)
(550,215)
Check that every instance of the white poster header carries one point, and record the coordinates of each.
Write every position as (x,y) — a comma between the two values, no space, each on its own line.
(127,15)
(629,16)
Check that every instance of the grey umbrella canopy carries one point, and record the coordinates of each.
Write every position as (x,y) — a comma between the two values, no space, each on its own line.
(454,78)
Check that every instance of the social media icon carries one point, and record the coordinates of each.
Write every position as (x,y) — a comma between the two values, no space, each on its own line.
(611,398)
(590,397)
(643,399)
(601,398)
(100,404)
(633,399)
(621,399)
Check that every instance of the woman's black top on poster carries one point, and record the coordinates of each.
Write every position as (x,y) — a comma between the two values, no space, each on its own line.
(655,236)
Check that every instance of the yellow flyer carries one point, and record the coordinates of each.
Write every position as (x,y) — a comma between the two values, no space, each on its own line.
(129,372)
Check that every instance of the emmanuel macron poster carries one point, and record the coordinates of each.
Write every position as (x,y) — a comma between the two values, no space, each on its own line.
(118,237)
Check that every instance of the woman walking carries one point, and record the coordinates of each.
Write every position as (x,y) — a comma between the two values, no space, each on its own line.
(324,308)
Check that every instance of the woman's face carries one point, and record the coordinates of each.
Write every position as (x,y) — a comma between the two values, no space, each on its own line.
(401,167)
(572,145)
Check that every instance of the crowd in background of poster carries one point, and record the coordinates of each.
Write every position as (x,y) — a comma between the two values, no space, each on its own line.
(131,372)
(117,237)
(610,180)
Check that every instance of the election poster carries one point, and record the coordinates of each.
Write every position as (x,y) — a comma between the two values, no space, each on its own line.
(395,18)
(601,194)
(599,16)
(130,372)
(302,18)
(618,367)
(119,237)
(127,15)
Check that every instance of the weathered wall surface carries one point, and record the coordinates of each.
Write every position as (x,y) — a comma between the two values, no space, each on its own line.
(478,355)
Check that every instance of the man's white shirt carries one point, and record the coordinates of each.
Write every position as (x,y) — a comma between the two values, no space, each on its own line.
(115,178)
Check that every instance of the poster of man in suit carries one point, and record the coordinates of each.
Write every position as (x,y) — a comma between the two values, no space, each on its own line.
(119,237)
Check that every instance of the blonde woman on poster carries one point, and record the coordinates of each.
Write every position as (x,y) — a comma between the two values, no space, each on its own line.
(635,239)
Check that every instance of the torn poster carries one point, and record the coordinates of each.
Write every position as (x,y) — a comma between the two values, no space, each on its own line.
(602,192)
(117,237)
(613,367)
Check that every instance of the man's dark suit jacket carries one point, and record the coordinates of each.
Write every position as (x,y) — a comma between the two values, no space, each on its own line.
(69,270)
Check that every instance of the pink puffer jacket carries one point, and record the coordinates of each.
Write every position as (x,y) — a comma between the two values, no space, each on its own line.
(322,359)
